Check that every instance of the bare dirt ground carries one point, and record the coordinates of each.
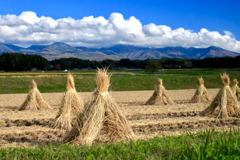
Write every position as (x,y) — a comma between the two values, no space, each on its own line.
(31,128)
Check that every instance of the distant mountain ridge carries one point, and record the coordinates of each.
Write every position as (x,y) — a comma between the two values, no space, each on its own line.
(62,50)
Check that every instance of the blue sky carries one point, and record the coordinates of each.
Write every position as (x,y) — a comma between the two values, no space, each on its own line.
(214,16)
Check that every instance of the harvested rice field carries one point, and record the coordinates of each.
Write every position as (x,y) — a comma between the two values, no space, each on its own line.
(31,128)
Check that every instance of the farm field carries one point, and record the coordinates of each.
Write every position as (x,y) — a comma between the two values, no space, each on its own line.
(20,82)
(31,128)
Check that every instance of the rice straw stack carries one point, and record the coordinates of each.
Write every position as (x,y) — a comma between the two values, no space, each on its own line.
(101,115)
(160,95)
(226,101)
(70,107)
(34,100)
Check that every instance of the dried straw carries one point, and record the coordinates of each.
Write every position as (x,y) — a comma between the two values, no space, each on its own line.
(70,107)
(201,94)
(101,115)
(70,82)
(235,82)
(225,79)
(34,100)
(236,89)
(226,100)
(34,84)
(201,81)
(160,95)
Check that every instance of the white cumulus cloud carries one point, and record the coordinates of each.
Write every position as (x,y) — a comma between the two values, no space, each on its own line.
(27,29)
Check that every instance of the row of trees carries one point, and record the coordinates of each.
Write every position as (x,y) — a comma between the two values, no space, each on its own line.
(24,62)
(167,63)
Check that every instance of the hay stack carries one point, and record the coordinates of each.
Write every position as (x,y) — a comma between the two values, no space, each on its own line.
(201,94)
(101,115)
(226,100)
(34,100)
(236,89)
(70,107)
(160,96)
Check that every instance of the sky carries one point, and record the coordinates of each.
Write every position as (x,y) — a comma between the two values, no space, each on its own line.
(105,23)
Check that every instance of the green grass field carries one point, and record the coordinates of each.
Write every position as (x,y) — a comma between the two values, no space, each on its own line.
(202,145)
(120,81)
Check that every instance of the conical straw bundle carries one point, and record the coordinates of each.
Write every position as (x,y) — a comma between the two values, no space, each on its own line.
(160,95)
(34,100)
(201,94)
(101,115)
(70,107)
(236,89)
(226,100)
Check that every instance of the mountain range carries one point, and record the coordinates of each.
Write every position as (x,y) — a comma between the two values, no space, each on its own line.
(62,50)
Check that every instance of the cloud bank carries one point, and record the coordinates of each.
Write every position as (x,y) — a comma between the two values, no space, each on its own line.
(27,29)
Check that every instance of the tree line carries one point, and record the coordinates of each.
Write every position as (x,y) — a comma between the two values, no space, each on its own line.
(25,62)
(167,63)
(22,62)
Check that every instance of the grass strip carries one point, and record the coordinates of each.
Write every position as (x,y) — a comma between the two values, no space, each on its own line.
(202,145)
(118,82)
